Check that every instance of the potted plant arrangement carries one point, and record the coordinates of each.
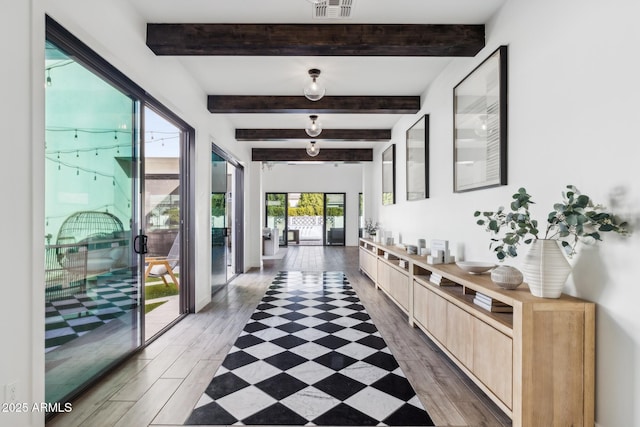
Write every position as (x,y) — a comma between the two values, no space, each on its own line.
(371,228)
(576,218)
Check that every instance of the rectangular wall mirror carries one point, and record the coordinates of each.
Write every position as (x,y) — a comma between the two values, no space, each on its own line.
(389,175)
(480,125)
(418,159)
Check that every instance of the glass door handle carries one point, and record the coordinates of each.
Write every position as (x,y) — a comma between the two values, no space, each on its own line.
(140,244)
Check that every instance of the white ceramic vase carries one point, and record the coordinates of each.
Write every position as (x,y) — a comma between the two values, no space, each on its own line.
(506,276)
(546,268)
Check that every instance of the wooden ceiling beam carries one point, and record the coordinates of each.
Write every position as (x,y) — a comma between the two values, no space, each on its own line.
(326,135)
(300,155)
(230,104)
(316,39)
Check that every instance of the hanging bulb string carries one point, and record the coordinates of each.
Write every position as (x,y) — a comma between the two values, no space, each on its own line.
(86,130)
(59,64)
(95,173)
(104,147)
(77,167)
(88,149)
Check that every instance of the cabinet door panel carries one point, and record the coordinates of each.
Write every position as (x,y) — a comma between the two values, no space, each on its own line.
(368,263)
(420,303)
(493,360)
(437,316)
(460,334)
(399,287)
(383,275)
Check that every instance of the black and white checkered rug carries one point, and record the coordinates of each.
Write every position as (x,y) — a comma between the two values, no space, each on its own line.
(310,355)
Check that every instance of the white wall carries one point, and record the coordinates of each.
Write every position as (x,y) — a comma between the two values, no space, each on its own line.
(573,91)
(22,232)
(319,178)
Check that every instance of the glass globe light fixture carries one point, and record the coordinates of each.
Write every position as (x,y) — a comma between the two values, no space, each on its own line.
(314,92)
(312,149)
(315,129)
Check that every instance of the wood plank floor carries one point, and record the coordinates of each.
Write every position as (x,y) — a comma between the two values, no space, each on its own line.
(160,385)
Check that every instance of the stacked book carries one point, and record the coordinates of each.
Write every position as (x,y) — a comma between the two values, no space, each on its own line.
(437,279)
(491,304)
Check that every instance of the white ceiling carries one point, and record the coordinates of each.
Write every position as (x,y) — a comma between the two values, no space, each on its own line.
(268,75)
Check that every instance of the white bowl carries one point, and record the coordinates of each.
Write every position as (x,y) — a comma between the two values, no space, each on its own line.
(475,267)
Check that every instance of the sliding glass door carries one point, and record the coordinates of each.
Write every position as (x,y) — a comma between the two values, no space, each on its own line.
(334,218)
(219,222)
(163,218)
(227,219)
(304,219)
(116,166)
(92,274)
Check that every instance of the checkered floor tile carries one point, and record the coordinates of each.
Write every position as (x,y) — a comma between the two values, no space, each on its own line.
(310,355)
(74,316)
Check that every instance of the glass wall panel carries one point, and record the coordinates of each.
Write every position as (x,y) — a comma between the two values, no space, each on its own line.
(219,222)
(92,298)
(276,208)
(162,216)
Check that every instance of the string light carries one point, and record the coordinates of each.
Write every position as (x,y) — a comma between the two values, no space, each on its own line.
(56,65)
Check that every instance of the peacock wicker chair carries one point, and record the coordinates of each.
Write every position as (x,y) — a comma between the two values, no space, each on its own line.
(101,232)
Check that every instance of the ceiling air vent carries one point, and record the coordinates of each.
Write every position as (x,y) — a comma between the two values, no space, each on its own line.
(333,9)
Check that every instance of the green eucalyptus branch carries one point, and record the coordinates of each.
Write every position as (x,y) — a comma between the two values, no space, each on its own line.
(577,218)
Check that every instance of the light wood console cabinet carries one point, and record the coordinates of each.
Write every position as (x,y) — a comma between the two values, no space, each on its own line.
(537,363)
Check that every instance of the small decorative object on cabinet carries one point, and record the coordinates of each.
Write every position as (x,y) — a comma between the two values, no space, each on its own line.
(576,218)
(475,267)
(546,268)
(371,228)
(507,277)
